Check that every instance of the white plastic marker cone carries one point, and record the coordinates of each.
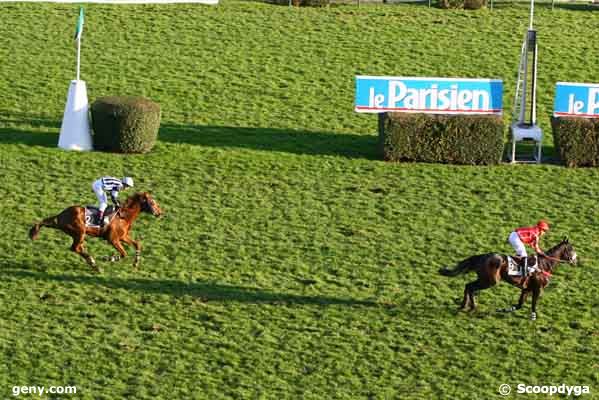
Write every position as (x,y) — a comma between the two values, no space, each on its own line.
(74,131)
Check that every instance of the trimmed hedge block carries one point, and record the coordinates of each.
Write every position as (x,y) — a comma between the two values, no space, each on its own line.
(323,3)
(442,138)
(465,4)
(304,3)
(576,140)
(125,124)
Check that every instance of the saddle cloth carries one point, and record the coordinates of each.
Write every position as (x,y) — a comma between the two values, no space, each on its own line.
(91,216)
(514,269)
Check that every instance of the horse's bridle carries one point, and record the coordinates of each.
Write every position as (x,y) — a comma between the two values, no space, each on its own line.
(570,260)
(148,205)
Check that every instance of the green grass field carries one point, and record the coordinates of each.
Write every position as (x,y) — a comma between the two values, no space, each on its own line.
(291,262)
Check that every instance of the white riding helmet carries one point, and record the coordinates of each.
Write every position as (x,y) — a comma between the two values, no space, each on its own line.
(128,181)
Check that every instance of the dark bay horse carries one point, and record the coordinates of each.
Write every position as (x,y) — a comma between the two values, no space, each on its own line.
(72,222)
(492,268)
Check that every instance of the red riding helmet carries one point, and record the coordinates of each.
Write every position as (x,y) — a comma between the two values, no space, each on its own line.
(543,225)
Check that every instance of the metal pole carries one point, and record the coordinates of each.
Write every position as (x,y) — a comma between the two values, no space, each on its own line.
(533,105)
(531,39)
(78,56)
(532,10)
(524,82)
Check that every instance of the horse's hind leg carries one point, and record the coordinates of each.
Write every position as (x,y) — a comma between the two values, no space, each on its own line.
(469,290)
(466,300)
(137,244)
(77,247)
(472,288)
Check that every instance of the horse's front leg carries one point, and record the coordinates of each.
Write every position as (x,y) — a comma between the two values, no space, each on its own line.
(137,244)
(523,296)
(536,293)
(116,243)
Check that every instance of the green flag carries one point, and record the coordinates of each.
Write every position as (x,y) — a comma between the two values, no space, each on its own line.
(79,30)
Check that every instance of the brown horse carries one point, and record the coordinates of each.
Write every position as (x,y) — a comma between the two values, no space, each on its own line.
(492,268)
(72,222)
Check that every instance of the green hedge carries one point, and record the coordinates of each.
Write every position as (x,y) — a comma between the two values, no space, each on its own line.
(125,124)
(454,139)
(303,3)
(576,140)
(465,4)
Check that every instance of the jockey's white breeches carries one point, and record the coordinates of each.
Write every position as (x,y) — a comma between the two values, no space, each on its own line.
(100,194)
(517,244)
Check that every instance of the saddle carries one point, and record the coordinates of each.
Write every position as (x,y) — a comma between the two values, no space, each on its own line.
(92,213)
(516,266)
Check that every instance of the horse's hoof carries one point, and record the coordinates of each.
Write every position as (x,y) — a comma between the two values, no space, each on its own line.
(533,316)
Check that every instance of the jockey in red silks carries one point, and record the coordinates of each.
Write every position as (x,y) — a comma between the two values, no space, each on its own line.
(530,236)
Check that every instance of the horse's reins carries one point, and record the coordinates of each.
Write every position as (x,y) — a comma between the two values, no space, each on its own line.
(549,274)
(559,260)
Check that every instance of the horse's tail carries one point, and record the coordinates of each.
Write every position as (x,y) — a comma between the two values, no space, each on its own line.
(464,266)
(35,229)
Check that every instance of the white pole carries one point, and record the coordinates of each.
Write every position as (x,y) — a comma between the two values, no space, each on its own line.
(533,114)
(532,10)
(524,87)
(78,56)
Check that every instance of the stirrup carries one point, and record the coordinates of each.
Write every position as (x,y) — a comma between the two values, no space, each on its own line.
(525,268)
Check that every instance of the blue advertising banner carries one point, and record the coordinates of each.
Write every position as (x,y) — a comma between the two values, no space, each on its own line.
(376,94)
(576,100)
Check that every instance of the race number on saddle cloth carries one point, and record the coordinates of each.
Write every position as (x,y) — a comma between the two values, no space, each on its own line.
(92,214)
(113,186)
(514,268)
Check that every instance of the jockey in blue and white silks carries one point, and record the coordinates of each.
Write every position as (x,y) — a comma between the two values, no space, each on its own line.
(113,186)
